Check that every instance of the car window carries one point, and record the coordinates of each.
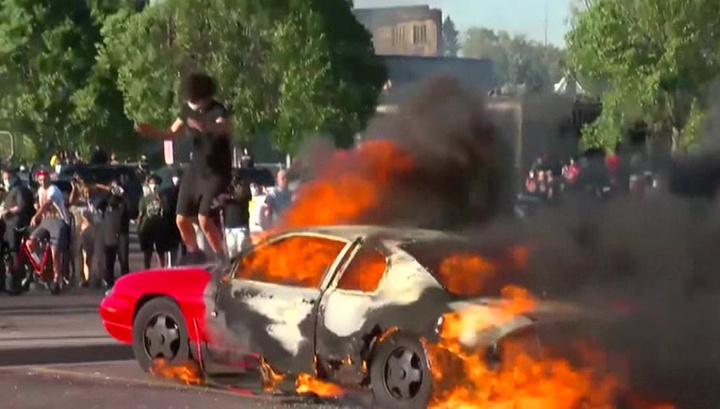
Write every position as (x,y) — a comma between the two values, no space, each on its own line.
(298,261)
(365,271)
(468,270)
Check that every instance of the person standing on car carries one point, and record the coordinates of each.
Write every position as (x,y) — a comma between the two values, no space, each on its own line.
(210,171)
(153,227)
(236,215)
(116,233)
(19,210)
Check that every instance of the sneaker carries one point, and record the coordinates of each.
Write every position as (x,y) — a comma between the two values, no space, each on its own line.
(55,288)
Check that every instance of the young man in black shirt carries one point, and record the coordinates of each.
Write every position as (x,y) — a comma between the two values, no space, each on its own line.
(210,170)
(116,233)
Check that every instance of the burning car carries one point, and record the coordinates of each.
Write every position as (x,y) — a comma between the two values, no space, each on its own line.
(356,306)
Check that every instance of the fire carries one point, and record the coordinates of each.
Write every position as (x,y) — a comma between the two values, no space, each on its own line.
(352,184)
(270,378)
(453,268)
(522,380)
(294,261)
(309,384)
(520,377)
(188,372)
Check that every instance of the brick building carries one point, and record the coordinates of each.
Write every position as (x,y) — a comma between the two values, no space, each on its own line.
(410,30)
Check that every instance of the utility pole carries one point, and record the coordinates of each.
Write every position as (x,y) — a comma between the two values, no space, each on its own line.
(546,23)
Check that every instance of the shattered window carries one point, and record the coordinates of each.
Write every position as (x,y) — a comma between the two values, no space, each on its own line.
(364,271)
(298,261)
(467,270)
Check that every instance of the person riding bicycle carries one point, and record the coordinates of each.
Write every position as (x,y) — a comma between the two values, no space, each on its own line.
(53,219)
(18,210)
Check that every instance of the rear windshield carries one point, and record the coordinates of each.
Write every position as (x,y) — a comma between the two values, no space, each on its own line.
(468,270)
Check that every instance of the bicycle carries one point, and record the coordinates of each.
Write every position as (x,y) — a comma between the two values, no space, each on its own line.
(36,266)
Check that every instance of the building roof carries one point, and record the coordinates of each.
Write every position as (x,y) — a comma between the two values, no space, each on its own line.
(384,16)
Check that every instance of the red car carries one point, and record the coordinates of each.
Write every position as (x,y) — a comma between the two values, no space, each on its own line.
(348,304)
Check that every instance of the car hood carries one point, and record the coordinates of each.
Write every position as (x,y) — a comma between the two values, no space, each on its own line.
(486,320)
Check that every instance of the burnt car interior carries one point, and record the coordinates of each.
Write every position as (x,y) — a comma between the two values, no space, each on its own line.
(464,269)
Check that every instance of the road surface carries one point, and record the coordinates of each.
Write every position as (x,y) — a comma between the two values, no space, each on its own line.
(122,385)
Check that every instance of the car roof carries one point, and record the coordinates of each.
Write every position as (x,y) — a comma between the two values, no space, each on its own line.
(350,232)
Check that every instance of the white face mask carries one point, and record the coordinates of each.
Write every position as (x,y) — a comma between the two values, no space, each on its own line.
(152,187)
(194,107)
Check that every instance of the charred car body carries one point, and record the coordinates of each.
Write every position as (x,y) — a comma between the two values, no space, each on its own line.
(352,305)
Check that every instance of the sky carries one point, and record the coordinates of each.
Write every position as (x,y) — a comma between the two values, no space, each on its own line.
(516,16)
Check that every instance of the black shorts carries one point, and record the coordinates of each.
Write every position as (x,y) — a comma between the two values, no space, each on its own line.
(155,238)
(198,191)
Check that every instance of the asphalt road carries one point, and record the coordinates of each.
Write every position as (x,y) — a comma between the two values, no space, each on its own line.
(122,385)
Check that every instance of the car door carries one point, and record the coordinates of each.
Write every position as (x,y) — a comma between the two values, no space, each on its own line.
(269,303)
(342,317)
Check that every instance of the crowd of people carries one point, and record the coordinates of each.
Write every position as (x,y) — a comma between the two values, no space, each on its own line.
(90,230)
(595,172)
(203,216)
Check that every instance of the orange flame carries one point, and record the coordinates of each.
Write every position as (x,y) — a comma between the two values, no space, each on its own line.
(524,379)
(309,384)
(352,184)
(270,378)
(298,261)
(188,372)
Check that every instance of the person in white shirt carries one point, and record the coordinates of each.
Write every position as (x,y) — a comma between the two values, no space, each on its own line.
(53,219)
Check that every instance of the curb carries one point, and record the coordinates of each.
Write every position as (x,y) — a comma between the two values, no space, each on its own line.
(65,354)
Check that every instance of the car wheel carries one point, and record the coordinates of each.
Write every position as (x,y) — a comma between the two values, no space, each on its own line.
(400,374)
(160,332)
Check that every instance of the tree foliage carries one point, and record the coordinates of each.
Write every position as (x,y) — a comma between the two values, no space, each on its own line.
(653,60)
(290,67)
(451,41)
(517,60)
(75,73)
(47,73)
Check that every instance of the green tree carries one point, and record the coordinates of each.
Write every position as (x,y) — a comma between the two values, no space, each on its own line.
(517,61)
(653,59)
(47,59)
(451,42)
(289,67)
(358,74)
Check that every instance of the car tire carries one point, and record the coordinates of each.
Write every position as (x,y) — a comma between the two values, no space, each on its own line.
(400,375)
(160,331)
